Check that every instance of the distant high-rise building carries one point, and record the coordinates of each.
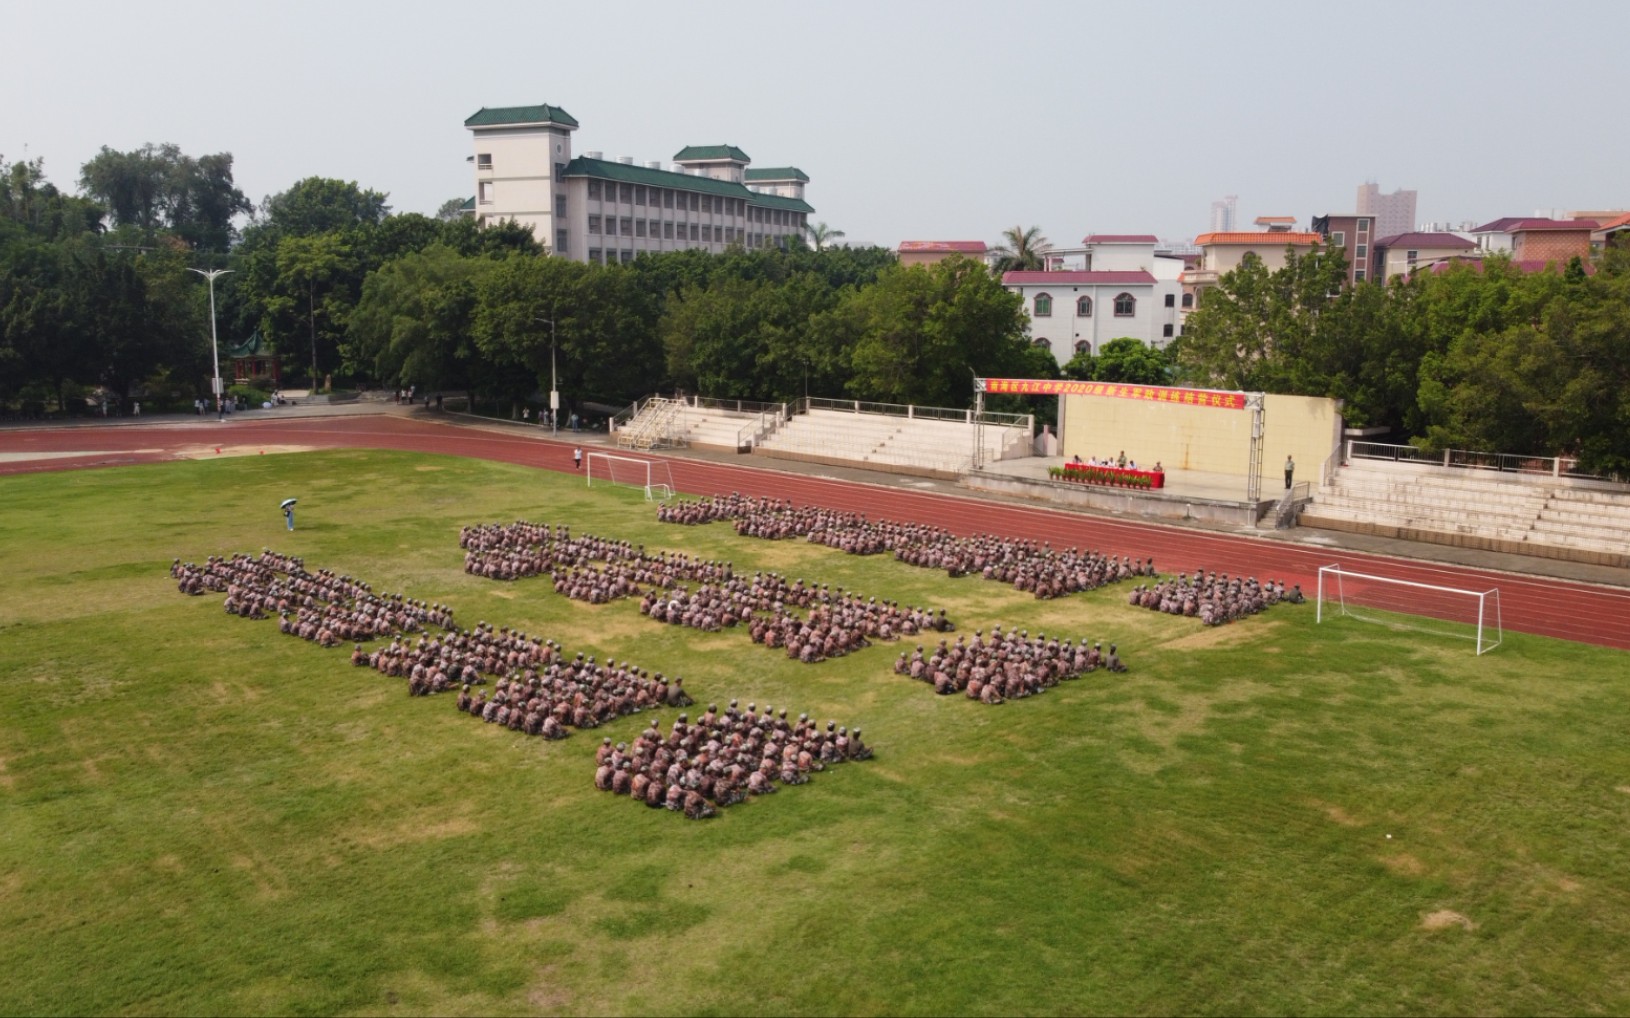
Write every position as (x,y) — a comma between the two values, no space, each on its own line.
(1224,214)
(1394,213)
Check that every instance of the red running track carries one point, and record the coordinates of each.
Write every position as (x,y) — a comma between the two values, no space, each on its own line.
(1548,607)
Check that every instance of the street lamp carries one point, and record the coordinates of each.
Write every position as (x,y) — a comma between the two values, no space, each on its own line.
(554,392)
(214,343)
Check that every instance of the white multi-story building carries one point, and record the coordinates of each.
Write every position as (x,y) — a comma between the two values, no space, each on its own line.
(588,208)
(1126,290)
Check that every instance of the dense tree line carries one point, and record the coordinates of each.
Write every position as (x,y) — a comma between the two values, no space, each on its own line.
(1476,356)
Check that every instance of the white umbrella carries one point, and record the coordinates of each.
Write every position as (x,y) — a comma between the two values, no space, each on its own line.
(288,502)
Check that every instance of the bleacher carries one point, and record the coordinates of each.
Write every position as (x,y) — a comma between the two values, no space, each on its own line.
(928,441)
(1526,514)
(930,446)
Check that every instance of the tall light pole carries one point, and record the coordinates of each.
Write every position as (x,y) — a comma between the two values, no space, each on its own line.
(554,393)
(214,342)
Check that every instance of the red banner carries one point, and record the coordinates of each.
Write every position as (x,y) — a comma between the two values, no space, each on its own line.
(1118,390)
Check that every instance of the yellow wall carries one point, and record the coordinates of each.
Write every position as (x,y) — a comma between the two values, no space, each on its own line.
(1203,438)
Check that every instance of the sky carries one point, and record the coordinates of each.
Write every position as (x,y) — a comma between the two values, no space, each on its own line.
(950,120)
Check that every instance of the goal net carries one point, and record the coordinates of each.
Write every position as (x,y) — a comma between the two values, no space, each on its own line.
(1404,604)
(651,476)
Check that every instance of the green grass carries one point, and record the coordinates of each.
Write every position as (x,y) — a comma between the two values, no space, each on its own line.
(199,815)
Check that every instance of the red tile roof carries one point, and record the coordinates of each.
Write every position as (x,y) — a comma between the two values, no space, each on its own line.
(1075,278)
(1433,240)
(1534,225)
(1260,237)
(1618,223)
(1120,238)
(944,246)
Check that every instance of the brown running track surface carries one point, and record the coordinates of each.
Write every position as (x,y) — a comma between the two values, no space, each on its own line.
(1548,607)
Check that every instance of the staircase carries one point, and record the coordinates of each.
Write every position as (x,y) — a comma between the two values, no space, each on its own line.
(653,427)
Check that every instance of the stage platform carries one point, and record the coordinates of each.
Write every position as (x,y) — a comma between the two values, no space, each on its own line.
(1188,495)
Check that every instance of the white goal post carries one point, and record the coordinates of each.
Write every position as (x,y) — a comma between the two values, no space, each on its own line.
(1405,604)
(651,476)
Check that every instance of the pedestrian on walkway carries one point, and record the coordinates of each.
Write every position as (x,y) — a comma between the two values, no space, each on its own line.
(1290,471)
(577,459)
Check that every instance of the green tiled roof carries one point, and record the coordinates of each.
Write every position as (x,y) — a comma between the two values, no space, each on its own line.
(775,201)
(469,204)
(254,346)
(625,173)
(777,173)
(500,115)
(695,153)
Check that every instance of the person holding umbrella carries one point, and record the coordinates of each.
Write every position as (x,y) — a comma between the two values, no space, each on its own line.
(288,511)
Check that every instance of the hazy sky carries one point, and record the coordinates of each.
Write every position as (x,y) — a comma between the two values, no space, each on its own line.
(947,120)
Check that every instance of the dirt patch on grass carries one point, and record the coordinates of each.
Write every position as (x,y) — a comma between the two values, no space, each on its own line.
(1623,788)
(1444,919)
(417,829)
(198,452)
(1404,865)
(1231,635)
(8,781)
(1335,813)
(270,881)
(547,996)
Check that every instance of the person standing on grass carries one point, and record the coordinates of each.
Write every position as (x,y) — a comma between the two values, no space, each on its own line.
(288,516)
(577,459)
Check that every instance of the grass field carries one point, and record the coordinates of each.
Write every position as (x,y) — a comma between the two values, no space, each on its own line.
(199,815)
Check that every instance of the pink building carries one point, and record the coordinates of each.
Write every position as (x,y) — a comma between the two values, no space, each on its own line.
(927,252)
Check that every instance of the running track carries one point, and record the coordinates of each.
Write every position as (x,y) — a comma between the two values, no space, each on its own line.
(1548,607)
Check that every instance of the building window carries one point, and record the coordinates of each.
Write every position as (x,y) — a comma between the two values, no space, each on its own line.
(625,193)
(626,256)
(594,224)
(639,227)
(595,255)
(560,205)
(1338,239)
(1188,300)
(667,231)
(485,189)
(560,242)
(627,227)
(1044,344)
(1171,300)
(594,189)
(667,198)
(1363,226)
(639,196)
(695,231)
(707,234)
(1410,256)
(1082,346)
(1083,307)
(1043,306)
(1166,330)
(1363,251)
(1358,275)
(707,203)
(483,161)
(1125,306)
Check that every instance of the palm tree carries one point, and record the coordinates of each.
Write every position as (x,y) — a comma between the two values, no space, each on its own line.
(820,234)
(1024,250)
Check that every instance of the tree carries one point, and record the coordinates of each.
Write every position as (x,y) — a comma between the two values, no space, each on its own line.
(820,235)
(159,187)
(922,333)
(323,205)
(414,321)
(309,266)
(1024,250)
(452,210)
(1126,359)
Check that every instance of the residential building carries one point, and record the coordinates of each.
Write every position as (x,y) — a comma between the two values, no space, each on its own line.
(1276,224)
(1532,243)
(927,252)
(1613,233)
(588,208)
(1127,290)
(1222,253)
(1352,233)
(1225,213)
(1402,254)
(1393,213)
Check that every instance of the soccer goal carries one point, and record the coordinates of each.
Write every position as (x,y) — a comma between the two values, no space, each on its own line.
(1404,604)
(651,476)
